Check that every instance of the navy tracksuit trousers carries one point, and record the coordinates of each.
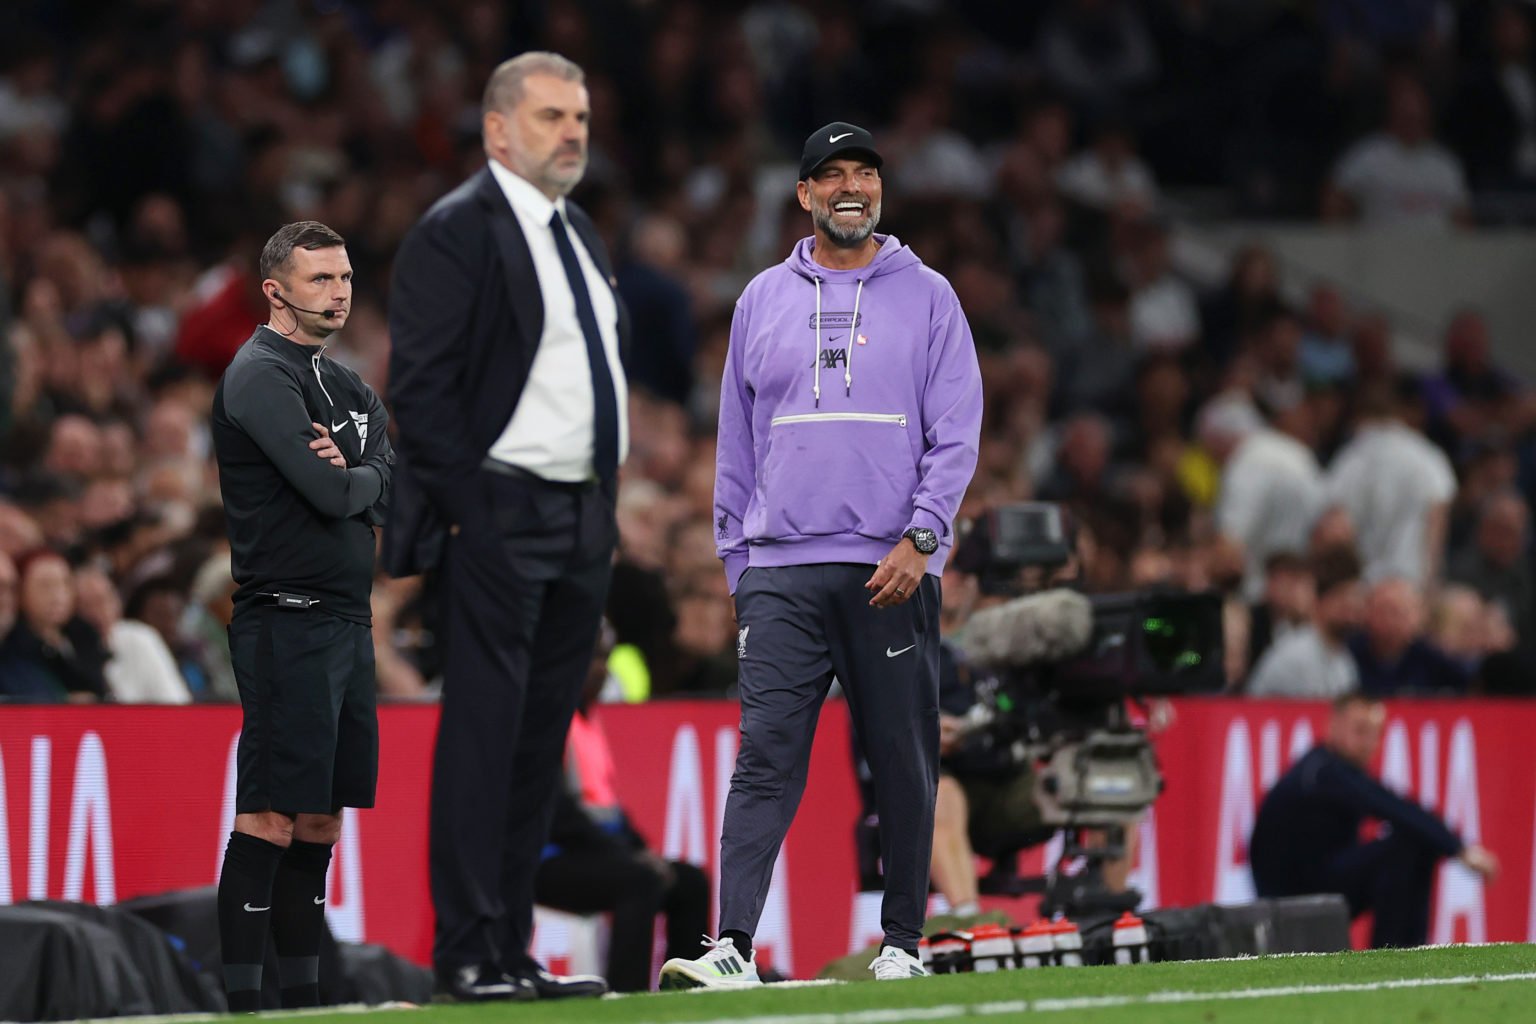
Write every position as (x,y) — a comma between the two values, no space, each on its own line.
(799,627)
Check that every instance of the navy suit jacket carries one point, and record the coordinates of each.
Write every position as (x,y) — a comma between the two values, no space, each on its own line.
(465,319)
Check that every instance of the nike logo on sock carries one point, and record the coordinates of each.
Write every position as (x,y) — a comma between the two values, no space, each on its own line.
(255,910)
(319,901)
(891,654)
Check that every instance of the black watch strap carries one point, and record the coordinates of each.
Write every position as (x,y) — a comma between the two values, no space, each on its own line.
(925,540)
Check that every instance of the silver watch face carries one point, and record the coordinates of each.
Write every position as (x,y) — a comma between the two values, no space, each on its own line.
(926,541)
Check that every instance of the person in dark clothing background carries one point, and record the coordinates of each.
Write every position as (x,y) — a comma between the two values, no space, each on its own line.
(50,654)
(1306,839)
(1394,654)
(661,310)
(595,861)
(305,467)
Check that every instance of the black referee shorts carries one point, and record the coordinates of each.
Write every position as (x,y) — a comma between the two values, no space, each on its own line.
(310,743)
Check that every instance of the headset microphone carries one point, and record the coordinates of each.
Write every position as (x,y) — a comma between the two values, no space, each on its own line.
(329,314)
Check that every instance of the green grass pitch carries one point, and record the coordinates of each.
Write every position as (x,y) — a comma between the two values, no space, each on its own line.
(1426,986)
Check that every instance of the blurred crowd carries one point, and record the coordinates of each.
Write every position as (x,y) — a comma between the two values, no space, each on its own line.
(1366,523)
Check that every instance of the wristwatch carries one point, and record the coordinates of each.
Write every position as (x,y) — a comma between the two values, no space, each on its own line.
(922,538)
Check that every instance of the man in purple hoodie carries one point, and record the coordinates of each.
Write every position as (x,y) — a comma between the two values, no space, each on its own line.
(850,414)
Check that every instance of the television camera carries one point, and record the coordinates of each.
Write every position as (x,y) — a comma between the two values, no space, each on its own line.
(1063,672)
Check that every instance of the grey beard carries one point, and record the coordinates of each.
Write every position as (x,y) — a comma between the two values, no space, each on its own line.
(560,184)
(846,236)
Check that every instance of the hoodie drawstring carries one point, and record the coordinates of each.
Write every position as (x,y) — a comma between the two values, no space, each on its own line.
(818,342)
(314,362)
(853,329)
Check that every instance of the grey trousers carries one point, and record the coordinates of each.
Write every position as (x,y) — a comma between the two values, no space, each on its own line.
(799,626)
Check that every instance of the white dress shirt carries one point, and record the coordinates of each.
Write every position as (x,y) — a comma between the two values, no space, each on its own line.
(550,433)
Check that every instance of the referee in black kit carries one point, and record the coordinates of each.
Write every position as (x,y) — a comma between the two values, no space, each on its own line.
(305,466)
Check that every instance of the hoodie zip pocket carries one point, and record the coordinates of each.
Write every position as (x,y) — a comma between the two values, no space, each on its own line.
(899,419)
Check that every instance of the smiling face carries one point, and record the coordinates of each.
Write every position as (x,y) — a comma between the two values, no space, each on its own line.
(843,199)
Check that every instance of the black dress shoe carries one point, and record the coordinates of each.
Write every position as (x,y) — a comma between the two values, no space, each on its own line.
(481,984)
(555,986)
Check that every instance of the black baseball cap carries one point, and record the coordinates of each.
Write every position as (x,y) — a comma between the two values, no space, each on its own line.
(835,139)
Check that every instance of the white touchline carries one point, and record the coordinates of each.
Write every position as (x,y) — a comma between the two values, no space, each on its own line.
(944,1011)
(948,1011)
(219,1018)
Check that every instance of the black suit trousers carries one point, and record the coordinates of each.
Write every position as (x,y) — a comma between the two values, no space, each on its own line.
(1393,877)
(526,577)
(633,888)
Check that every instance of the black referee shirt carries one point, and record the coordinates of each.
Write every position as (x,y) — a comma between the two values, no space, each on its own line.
(298,524)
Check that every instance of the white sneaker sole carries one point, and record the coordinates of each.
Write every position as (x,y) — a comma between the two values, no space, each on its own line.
(680,974)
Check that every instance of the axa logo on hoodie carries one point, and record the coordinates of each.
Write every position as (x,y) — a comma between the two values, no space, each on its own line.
(840,325)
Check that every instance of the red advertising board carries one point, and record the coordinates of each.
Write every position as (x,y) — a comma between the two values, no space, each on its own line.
(105,804)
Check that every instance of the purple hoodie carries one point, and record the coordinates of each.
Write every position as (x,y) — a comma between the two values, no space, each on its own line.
(835,440)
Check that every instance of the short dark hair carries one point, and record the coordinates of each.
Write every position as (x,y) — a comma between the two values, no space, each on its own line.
(302,234)
(1347,700)
(1377,401)
(1335,567)
(1286,561)
(1268,314)
(138,600)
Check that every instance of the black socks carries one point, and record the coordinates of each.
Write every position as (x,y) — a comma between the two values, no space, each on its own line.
(742,940)
(245,913)
(265,887)
(298,921)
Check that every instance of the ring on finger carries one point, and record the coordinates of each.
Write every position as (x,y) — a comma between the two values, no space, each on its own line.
(900,592)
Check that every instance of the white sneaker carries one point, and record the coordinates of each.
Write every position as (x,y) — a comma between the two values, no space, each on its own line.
(896,964)
(721,967)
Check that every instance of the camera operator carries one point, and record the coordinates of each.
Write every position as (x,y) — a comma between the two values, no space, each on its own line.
(1059,736)
(987,796)
(986,799)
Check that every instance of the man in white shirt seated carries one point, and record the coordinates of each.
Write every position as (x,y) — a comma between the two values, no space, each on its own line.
(141,669)
(1312,661)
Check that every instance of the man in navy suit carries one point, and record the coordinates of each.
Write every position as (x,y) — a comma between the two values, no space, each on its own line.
(509,395)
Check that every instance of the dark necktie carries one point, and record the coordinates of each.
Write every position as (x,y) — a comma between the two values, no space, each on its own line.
(605,416)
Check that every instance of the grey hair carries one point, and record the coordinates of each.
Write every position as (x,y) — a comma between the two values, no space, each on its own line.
(504,90)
